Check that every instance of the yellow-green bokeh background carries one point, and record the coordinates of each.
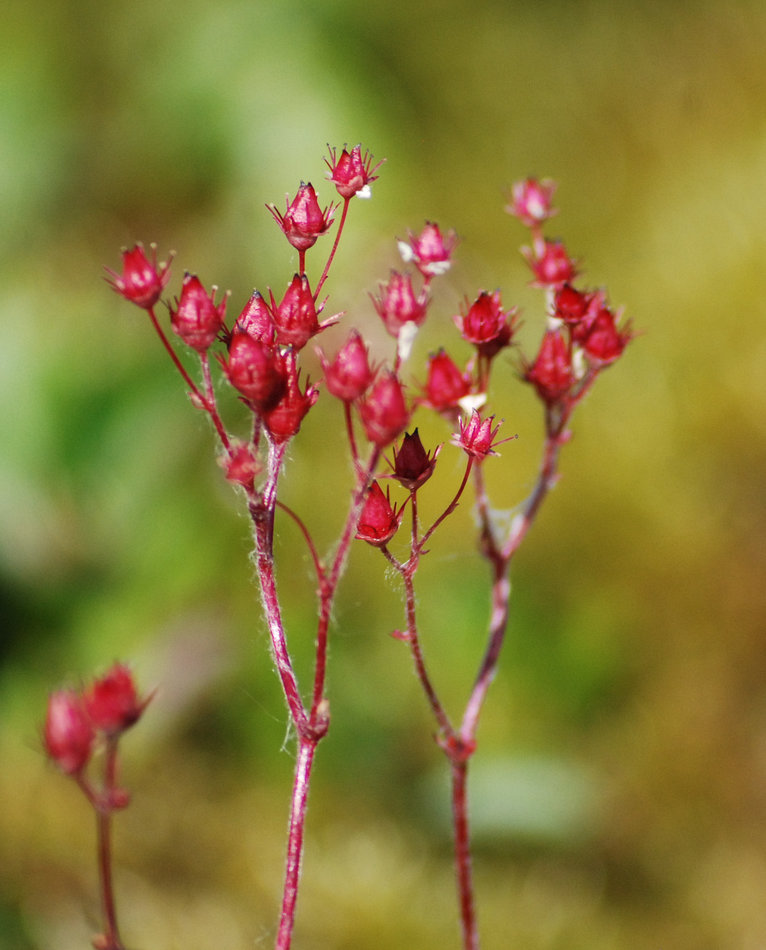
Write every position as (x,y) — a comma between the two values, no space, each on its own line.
(620,786)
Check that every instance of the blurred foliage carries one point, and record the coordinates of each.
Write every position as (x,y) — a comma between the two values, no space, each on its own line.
(632,695)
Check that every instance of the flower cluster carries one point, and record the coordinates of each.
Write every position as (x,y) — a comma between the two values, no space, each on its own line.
(261,361)
(584,334)
(77,719)
(260,355)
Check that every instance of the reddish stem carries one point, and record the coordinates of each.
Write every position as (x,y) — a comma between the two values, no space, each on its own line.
(311,725)
(407,573)
(111,937)
(463,868)
(204,401)
(546,479)
(329,584)
(451,506)
(501,592)
(307,538)
(303,764)
(210,405)
(176,362)
(350,433)
(262,515)
(338,233)
(460,746)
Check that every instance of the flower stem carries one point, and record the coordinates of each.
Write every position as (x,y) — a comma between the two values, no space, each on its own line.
(174,357)
(463,869)
(303,764)
(262,514)
(111,937)
(334,248)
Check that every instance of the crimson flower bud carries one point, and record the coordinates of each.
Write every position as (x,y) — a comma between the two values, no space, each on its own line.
(240,464)
(446,385)
(486,325)
(142,280)
(552,373)
(349,374)
(295,319)
(398,304)
(383,410)
(476,436)
(379,521)
(283,418)
(351,173)
(256,320)
(68,734)
(571,305)
(112,703)
(197,319)
(253,370)
(431,252)
(550,264)
(304,220)
(604,342)
(531,201)
(413,466)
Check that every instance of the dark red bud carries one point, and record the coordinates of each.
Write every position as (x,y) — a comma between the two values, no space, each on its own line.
(413,466)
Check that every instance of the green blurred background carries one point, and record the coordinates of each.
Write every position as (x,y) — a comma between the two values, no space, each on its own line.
(620,787)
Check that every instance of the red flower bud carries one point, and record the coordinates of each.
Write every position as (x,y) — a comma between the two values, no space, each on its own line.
(383,410)
(256,320)
(431,252)
(283,419)
(112,703)
(68,734)
(253,370)
(351,173)
(550,264)
(295,319)
(398,304)
(552,373)
(196,319)
(379,521)
(349,374)
(476,437)
(240,465)
(571,305)
(413,466)
(446,385)
(603,341)
(304,220)
(142,280)
(486,325)
(531,201)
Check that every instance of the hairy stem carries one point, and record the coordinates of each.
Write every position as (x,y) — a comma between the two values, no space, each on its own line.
(463,869)
(303,764)
(262,509)
(329,583)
